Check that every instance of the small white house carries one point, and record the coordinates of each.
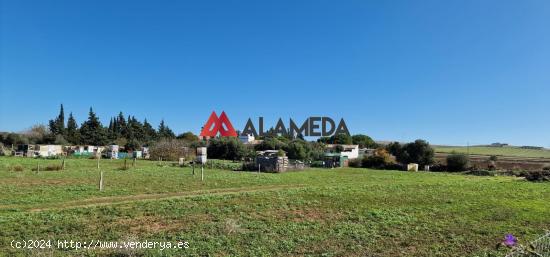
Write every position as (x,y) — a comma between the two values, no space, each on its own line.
(350,151)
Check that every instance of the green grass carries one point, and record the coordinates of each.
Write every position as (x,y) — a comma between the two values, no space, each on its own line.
(499,151)
(319,212)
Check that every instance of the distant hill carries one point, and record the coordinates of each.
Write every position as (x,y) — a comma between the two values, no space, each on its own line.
(513,151)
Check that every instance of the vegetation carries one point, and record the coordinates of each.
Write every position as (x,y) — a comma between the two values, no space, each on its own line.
(457,162)
(419,152)
(538,176)
(228,148)
(508,151)
(381,159)
(127,132)
(319,212)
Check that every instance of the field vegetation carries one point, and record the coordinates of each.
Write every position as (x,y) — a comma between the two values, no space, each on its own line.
(318,212)
(496,151)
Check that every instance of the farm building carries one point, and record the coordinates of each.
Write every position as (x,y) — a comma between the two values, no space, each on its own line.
(350,151)
(270,161)
(86,150)
(335,160)
(40,150)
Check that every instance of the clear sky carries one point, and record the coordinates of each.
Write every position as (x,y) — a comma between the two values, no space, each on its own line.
(451,72)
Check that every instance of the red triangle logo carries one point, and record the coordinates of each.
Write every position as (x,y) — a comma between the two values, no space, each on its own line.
(216,124)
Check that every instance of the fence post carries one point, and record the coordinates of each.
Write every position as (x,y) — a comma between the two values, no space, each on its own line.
(193,168)
(202,172)
(63,164)
(259,168)
(134,163)
(98,163)
(101,181)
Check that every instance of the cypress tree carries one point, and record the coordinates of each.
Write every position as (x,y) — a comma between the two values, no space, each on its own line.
(149,133)
(73,135)
(57,125)
(92,132)
(164,131)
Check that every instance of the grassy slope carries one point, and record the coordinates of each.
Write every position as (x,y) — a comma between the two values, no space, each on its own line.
(342,212)
(500,151)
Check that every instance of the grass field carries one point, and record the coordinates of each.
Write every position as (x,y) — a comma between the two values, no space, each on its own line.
(319,212)
(499,151)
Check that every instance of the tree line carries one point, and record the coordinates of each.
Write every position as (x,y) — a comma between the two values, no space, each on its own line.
(122,130)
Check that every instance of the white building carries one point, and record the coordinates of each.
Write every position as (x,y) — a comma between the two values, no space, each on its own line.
(246,138)
(350,151)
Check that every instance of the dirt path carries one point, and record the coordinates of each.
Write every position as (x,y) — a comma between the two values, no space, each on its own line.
(112,200)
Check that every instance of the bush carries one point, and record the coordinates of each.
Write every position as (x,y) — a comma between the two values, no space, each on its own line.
(538,176)
(17,167)
(381,159)
(438,167)
(170,150)
(546,167)
(482,173)
(355,163)
(53,167)
(228,148)
(376,162)
(317,164)
(457,162)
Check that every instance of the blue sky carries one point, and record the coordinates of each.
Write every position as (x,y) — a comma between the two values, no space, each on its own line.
(452,72)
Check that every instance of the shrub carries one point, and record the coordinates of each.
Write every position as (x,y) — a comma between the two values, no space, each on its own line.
(228,148)
(381,159)
(376,162)
(538,176)
(546,167)
(355,163)
(17,167)
(438,167)
(170,150)
(53,167)
(317,164)
(482,173)
(457,162)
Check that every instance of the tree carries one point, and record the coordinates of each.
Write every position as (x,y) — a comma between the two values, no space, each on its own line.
(297,150)
(394,148)
(111,130)
(14,139)
(39,134)
(73,135)
(57,125)
(342,139)
(92,132)
(419,152)
(270,143)
(149,133)
(188,136)
(165,132)
(457,162)
(363,141)
(228,148)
